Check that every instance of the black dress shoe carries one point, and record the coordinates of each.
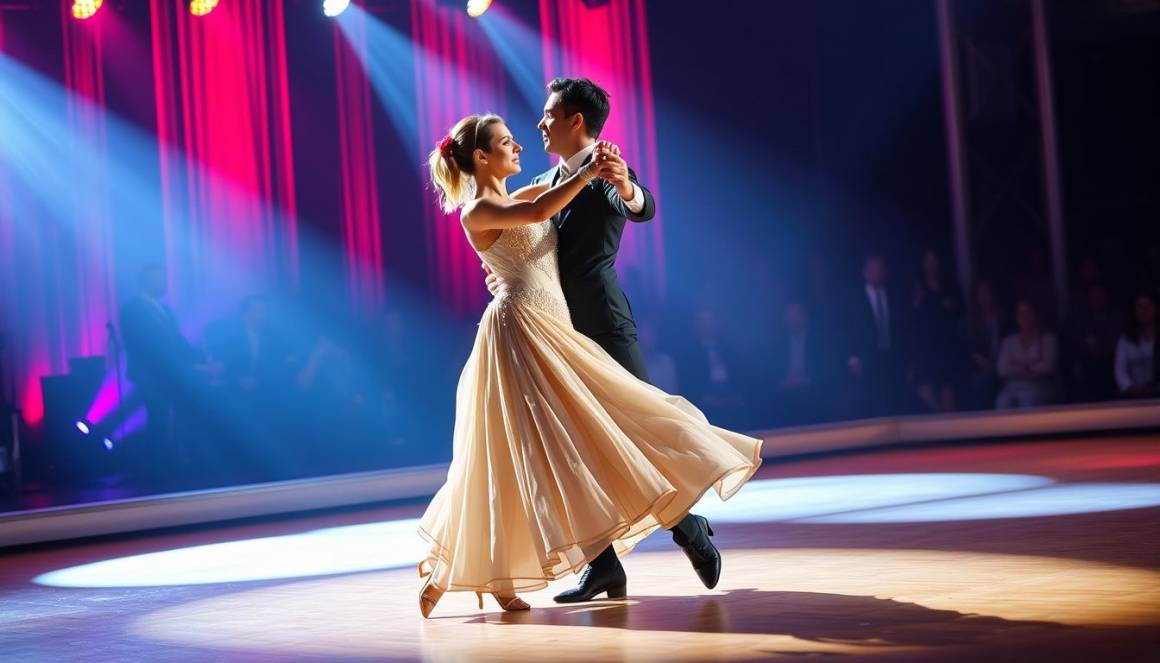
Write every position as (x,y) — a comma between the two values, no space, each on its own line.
(605,578)
(692,534)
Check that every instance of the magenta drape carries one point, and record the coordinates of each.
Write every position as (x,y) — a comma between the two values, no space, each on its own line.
(223,122)
(361,223)
(456,74)
(55,259)
(609,44)
(92,277)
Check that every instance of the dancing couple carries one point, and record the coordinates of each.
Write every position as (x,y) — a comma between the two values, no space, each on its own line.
(564,455)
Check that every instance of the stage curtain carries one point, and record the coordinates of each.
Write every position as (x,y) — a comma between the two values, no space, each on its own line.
(456,74)
(361,221)
(226,158)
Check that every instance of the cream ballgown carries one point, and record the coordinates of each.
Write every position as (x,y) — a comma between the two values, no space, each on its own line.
(558,450)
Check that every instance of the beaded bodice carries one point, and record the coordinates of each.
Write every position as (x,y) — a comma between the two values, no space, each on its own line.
(525,259)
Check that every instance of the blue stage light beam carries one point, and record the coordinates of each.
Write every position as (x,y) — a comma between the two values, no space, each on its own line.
(42,158)
(388,59)
(521,50)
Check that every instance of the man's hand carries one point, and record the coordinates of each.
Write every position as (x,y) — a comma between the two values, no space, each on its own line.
(493,281)
(614,169)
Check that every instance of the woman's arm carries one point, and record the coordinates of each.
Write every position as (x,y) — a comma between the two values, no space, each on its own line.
(482,214)
(530,191)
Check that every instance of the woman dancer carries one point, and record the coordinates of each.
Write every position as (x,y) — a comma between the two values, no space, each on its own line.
(558,451)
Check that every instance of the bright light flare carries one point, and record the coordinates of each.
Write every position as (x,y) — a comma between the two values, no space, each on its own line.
(333,8)
(82,9)
(476,8)
(202,7)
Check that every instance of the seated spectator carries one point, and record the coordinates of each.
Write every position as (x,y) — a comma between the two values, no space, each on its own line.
(1137,364)
(875,324)
(985,328)
(800,369)
(1027,363)
(662,369)
(711,373)
(937,351)
(1090,345)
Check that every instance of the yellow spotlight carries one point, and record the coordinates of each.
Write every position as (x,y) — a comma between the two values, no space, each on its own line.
(202,7)
(475,8)
(83,9)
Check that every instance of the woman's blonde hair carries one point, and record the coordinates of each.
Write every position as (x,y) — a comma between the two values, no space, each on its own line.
(451,164)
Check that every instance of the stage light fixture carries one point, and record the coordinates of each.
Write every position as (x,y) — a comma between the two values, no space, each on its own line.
(108,444)
(202,7)
(83,427)
(82,9)
(476,8)
(333,8)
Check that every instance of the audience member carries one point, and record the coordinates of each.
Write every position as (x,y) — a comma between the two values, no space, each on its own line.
(247,348)
(1137,363)
(874,335)
(800,370)
(1027,362)
(162,365)
(1091,332)
(1034,284)
(985,329)
(711,372)
(937,348)
(661,367)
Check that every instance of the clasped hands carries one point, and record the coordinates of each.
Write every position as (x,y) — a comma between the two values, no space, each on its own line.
(609,166)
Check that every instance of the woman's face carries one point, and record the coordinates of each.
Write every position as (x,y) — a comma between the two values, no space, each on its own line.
(1145,310)
(503,159)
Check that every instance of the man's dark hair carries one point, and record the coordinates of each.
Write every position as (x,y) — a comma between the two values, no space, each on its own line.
(580,95)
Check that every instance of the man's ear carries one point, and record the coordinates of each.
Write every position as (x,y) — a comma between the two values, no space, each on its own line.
(577,120)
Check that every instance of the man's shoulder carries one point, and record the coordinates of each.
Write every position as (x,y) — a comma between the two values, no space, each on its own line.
(544,176)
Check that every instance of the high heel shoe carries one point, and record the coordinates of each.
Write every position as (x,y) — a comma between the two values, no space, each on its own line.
(429,595)
(509,603)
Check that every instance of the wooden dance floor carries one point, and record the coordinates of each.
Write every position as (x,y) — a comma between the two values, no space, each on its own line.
(1031,551)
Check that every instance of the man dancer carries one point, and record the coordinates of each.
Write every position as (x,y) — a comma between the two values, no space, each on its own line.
(589,231)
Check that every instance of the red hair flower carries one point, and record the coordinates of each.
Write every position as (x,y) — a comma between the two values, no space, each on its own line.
(445,146)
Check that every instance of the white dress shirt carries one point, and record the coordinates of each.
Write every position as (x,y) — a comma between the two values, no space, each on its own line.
(572,163)
(881,309)
(1134,362)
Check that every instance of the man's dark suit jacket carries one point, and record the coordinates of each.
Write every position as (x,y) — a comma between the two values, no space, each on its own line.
(589,231)
(156,352)
(861,329)
(821,358)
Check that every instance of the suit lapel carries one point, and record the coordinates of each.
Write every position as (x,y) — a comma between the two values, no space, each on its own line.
(562,216)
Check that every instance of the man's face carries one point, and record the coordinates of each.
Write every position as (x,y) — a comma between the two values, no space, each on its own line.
(556,130)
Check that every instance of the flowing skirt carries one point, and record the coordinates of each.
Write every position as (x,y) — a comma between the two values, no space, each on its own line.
(558,453)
